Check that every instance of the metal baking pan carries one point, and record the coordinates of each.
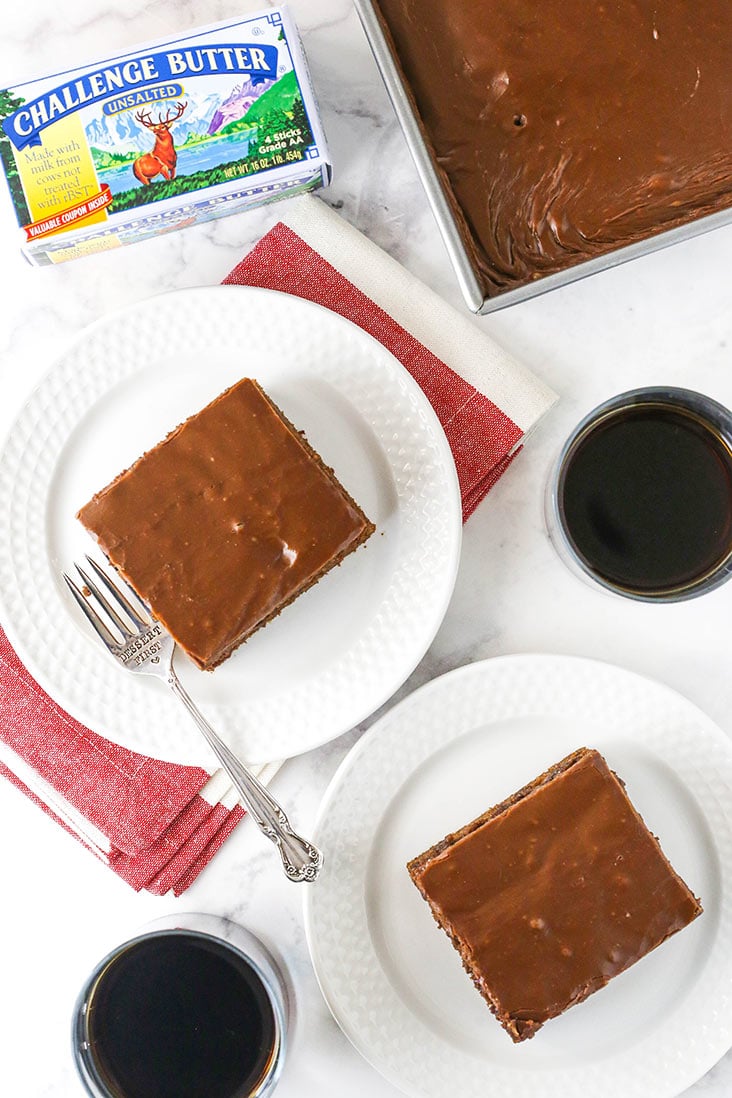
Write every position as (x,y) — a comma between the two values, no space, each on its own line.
(460,257)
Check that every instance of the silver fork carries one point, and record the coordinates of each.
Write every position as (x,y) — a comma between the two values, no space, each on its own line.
(147,647)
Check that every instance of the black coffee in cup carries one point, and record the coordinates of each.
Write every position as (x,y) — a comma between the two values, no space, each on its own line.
(179,1014)
(643,494)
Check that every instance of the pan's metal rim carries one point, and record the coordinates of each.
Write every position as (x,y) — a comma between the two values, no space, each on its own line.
(457,252)
(422,156)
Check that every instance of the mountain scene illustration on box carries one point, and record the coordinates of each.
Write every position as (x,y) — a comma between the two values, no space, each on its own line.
(181,144)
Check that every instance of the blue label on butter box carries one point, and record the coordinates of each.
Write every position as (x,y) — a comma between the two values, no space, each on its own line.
(24,126)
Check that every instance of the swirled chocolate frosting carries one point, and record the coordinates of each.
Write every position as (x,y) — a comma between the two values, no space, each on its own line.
(569,128)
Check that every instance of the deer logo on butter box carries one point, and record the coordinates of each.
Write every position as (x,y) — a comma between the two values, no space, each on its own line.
(163,158)
(171,134)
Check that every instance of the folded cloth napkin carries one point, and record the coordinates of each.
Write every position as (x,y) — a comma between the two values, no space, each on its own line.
(486,401)
(157,824)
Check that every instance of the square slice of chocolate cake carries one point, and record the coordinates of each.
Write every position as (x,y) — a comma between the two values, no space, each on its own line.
(553,892)
(225,522)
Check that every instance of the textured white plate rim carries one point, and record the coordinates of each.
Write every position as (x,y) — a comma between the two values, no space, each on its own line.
(605,1080)
(193,750)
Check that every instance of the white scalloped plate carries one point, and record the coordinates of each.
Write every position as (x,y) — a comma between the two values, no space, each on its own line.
(438,759)
(341,649)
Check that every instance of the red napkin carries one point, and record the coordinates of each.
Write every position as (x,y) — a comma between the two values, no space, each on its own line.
(150,821)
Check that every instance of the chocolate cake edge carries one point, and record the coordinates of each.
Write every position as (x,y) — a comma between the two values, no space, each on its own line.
(368,527)
(520,1029)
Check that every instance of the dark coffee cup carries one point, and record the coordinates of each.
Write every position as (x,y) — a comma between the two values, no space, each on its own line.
(192,1005)
(640,498)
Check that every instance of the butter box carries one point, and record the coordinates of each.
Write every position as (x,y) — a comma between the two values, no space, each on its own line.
(174,133)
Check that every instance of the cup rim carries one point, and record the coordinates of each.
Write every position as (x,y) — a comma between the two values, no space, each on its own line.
(263,964)
(709,412)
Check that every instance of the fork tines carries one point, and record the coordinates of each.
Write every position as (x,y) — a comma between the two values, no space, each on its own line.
(109,604)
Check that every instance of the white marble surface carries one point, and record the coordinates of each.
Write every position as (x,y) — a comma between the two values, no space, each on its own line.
(662,319)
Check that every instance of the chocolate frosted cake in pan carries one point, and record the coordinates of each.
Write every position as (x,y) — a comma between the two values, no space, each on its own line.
(231,517)
(553,892)
(566,129)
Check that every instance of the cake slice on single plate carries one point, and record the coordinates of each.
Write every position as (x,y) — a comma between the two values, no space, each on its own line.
(225,522)
(553,892)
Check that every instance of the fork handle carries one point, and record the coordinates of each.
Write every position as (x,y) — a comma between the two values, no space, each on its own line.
(301,860)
